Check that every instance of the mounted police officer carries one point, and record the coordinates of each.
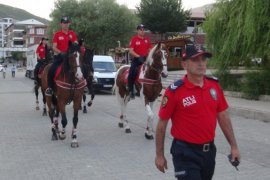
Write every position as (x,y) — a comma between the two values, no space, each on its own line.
(139,48)
(60,46)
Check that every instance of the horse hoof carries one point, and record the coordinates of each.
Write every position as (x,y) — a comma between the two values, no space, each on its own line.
(84,110)
(37,108)
(89,104)
(149,137)
(128,131)
(121,125)
(62,136)
(74,144)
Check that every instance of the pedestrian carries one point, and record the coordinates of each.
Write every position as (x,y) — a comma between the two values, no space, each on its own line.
(139,48)
(194,104)
(13,70)
(41,56)
(60,46)
(4,71)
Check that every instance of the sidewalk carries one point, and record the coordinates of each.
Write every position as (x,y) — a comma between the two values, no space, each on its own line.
(251,109)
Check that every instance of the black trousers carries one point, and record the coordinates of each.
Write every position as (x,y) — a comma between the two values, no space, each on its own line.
(38,65)
(56,63)
(193,162)
(132,73)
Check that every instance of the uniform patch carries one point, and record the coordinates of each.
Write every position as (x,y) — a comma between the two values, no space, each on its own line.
(213,93)
(164,101)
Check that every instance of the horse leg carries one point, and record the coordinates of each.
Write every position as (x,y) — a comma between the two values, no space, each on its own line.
(149,134)
(36,93)
(62,133)
(124,116)
(74,142)
(84,104)
(92,92)
(51,111)
(44,104)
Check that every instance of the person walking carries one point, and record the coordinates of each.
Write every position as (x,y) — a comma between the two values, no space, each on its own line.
(194,104)
(13,70)
(60,46)
(139,48)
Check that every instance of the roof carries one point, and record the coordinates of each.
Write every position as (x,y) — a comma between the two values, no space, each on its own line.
(199,12)
(30,22)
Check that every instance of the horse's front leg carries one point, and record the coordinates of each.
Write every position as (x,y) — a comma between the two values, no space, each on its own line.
(76,105)
(62,133)
(91,91)
(84,103)
(74,142)
(36,93)
(149,133)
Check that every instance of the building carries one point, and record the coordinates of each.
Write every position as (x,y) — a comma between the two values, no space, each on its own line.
(22,34)
(4,23)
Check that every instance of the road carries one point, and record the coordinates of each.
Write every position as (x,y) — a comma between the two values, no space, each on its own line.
(105,151)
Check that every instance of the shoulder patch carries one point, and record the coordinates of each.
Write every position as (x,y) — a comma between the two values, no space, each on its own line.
(176,85)
(212,78)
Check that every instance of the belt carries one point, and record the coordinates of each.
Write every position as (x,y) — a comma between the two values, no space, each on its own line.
(203,147)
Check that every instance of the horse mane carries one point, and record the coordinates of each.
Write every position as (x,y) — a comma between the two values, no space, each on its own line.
(149,58)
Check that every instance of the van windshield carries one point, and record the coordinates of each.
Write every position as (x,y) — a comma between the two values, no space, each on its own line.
(104,67)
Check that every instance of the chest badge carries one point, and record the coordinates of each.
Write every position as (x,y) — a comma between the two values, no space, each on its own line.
(213,93)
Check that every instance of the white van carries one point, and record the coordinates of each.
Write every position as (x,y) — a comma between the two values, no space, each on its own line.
(104,72)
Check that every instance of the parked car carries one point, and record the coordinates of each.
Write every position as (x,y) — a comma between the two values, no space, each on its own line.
(104,72)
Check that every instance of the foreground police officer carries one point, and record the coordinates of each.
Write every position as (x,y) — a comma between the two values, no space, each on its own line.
(194,104)
(60,47)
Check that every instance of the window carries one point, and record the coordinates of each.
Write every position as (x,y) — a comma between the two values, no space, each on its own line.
(40,31)
(31,40)
(175,51)
(32,31)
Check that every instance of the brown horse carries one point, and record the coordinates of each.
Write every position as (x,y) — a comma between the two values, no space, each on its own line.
(149,80)
(48,59)
(69,87)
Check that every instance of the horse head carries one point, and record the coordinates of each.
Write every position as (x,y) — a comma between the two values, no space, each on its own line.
(157,59)
(73,56)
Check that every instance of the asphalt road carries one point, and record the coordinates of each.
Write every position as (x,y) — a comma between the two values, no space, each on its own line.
(105,151)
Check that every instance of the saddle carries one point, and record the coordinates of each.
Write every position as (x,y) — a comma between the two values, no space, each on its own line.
(41,69)
(139,75)
(58,70)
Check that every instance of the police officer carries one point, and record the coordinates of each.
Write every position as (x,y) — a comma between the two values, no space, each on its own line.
(139,48)
(60,47)
(41,56)
(194,104)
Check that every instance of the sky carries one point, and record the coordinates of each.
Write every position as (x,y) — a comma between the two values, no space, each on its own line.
(43,8)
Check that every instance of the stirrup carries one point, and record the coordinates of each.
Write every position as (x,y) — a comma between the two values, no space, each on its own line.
(48,92)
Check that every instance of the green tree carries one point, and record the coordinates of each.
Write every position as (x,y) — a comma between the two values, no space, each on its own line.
(161,16)
(17,55)
(238,31)
(100,22)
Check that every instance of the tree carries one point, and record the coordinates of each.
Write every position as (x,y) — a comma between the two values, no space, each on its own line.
(100,22)
(238,31)
(161,16)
